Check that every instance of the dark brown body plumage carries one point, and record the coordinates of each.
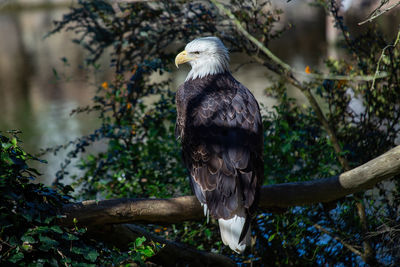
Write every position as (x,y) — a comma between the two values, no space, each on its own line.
(220,127)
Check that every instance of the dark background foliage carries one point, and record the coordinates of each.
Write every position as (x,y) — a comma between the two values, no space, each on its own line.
(142,158)
(31,234)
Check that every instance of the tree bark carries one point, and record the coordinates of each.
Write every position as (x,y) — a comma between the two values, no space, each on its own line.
(179,209)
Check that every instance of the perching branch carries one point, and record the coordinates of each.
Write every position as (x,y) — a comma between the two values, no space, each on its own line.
(174,210)
(160,211)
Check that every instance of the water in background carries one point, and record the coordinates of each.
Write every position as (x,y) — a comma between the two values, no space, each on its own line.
(39,88)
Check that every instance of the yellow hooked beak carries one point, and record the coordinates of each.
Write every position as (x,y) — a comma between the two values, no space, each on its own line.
(182,57)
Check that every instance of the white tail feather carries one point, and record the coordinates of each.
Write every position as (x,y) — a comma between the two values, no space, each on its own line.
(206,211)
(231,230)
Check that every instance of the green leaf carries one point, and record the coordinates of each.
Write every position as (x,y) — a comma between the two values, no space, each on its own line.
(76,250)
(139,241)
(16,257)
(271,237)
(148,252)
(14,142)
(49,219)
(91,256)
(27,216)
(29,239)
(286,147)
(69,237)
(57,229)
(13,241)
(47,243)
(41,229)
(26,246)
(207,233)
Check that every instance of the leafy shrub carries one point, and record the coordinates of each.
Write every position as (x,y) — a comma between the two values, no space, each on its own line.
(143,157)
(31,233)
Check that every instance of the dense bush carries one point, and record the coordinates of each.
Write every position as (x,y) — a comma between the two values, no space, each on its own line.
(143,158)
(31,233)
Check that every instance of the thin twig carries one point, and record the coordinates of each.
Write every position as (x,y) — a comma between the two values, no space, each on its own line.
(337,238)
(378,13)
(242,65)
(358,78)
(381,57)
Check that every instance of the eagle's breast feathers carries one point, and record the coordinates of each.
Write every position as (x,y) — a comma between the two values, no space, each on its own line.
(220,128)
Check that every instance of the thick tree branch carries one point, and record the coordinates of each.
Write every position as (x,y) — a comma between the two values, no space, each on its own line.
(160,211)
(185,208)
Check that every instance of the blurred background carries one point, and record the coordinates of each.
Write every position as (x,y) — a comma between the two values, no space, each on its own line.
(37,91)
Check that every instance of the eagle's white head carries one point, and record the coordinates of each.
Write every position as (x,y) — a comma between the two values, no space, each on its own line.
(206,55)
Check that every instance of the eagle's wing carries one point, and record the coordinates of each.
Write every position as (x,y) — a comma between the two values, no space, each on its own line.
(222,149)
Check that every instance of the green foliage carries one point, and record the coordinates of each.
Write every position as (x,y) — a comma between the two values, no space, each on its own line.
(293,139)
(145,31)
(142,157)
(31,233)
(139,251)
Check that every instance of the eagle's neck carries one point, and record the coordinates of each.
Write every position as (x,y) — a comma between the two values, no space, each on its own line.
(210,65)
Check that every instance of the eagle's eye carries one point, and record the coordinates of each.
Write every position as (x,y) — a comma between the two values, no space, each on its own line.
(196,52)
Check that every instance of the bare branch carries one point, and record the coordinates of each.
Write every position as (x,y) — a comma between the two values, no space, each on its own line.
(378,12)
(377,71)
(242,65)
(337,238)
(185,208)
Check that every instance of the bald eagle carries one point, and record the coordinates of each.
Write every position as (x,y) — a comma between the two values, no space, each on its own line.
(220,128)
